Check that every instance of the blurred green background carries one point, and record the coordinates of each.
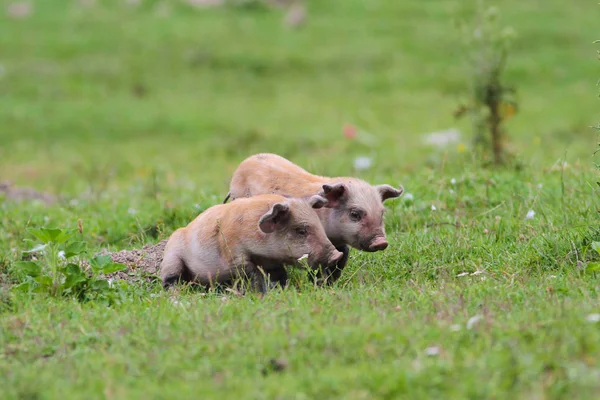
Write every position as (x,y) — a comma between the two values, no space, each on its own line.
(127,89)
(137,112)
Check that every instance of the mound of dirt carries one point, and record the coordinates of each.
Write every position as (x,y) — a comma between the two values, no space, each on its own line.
(142,264)
(20,194)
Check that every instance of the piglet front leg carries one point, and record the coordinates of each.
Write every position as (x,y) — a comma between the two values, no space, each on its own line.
(258,278)
(328,275)
(278,277)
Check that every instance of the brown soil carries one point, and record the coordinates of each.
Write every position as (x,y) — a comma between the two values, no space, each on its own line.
(142,264)
(20,194)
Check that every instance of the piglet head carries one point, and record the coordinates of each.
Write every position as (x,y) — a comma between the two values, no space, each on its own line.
(295,231)
(357,216)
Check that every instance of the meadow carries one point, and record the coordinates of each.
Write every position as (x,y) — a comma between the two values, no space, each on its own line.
(136,113)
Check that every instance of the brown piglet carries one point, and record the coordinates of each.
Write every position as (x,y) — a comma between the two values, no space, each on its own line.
(355,213)
(250,237)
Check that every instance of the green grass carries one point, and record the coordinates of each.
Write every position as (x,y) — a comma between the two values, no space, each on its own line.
(140,119)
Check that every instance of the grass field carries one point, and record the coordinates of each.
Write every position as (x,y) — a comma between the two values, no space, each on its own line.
(138,113)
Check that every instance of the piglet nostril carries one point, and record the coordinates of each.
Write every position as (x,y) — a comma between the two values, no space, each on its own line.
(378,244)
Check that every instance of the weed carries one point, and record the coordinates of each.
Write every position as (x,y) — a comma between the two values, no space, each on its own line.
(492,100)
(54,268)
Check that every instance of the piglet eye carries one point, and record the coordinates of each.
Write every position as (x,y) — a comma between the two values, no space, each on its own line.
(301,231)
(355,215)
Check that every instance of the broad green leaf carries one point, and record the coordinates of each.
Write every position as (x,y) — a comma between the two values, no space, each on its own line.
(74,276)
(47,235)
(596,246)
(72,269)
(30,268)
(75,248)
(113,267)
(23,287)
(99,262)
(593,267)
(74,280)
(100,285)
(44,280)
(52,234)
(64,236)
(40,234)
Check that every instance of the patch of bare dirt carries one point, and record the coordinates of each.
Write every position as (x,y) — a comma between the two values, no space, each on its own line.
(142,264)
(20,194)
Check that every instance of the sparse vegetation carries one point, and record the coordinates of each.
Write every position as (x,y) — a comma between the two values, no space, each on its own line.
(133,115)
(492,101)
(54,267)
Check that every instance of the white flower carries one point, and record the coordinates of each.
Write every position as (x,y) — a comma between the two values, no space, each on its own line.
(61,255)
(472,321)
(131,211)
(593,318)
(442,138)
(362,163)
(432,351)
(453,181)
(110,283)
(530,214)
(19,9)
(433,208)
(305,256)
(177,302)
(203,3)
(408,196)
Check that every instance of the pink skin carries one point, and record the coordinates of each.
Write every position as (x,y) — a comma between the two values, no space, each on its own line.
(252,235)
(356,218)
(355,214)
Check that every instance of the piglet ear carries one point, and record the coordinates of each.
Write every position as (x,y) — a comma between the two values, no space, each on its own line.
(334,194)
(317,201)
(275,218)
(388,192)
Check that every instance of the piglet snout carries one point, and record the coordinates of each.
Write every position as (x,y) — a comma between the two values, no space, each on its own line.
(378,244)
(335,257)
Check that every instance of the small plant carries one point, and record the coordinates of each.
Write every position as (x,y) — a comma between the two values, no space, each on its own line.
(54,268)
(491,101)
(598,125)
(593,266)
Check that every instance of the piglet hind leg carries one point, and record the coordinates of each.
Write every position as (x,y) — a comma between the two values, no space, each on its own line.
(173,270)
